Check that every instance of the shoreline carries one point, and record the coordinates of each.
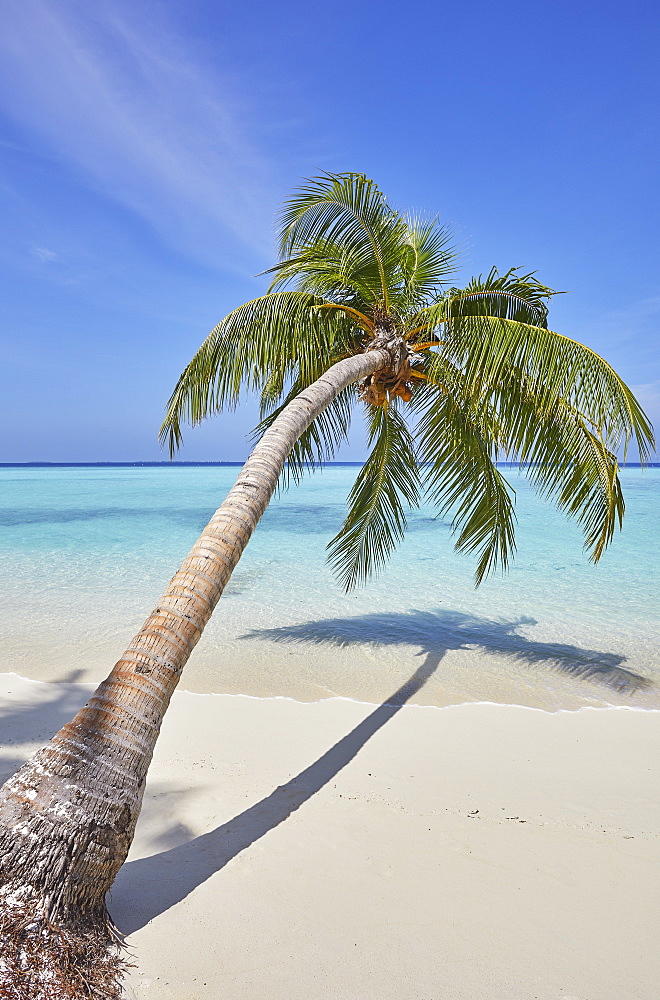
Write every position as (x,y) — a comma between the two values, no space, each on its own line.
(91,686)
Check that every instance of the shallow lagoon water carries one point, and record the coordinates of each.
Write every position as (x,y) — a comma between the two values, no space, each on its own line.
(85,554)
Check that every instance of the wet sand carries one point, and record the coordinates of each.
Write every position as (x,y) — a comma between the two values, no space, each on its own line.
(470,658)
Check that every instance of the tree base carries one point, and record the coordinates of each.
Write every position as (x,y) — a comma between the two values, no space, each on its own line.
(41,961)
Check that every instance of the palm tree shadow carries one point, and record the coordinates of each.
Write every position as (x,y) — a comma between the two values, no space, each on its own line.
(437,632)
(149,886)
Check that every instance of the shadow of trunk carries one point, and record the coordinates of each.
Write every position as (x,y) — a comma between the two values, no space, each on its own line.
(170,876)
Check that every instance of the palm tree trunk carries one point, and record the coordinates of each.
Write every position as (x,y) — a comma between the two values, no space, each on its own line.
(68,816)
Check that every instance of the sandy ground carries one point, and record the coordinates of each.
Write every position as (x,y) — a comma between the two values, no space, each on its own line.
(345,851)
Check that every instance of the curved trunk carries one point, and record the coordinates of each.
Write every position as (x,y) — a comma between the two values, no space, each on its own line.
(67,817)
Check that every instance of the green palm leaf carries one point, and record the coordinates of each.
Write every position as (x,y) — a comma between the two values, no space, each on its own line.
(458,449)
(509,296)
(344,274)
(487,349)
(565,459)
(427,259)
(347,209)
(261,346)
(567,462)
(376,518)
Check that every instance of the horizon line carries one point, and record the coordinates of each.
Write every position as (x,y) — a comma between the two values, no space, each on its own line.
(148,464)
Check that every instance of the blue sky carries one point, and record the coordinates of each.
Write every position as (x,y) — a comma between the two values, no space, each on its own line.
(145,147)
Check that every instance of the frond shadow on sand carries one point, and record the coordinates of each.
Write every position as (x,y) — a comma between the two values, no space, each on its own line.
(439,631)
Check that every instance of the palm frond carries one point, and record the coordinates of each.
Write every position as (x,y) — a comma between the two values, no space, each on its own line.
(346,209)
(586,486)
(428,258)
(343,273)
(458,450)
(563,456)
(513,296)
(487,348)
(376,518)
(261,345)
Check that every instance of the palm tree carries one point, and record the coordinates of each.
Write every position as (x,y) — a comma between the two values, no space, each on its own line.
(361,295)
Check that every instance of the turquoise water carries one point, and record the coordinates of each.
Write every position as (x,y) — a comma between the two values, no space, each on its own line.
(86,552)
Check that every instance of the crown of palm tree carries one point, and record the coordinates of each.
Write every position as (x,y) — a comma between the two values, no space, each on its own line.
(475,375)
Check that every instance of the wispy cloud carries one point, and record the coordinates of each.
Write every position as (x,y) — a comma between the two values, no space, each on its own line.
(627,337)
(120,97)
(648,393)
(638,312)
(634,321)
(638,327)
(41,253)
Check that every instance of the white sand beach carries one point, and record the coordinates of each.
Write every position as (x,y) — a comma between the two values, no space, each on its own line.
(351,852)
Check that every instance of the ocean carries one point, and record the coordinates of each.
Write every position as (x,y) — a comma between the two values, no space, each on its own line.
(86,551)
